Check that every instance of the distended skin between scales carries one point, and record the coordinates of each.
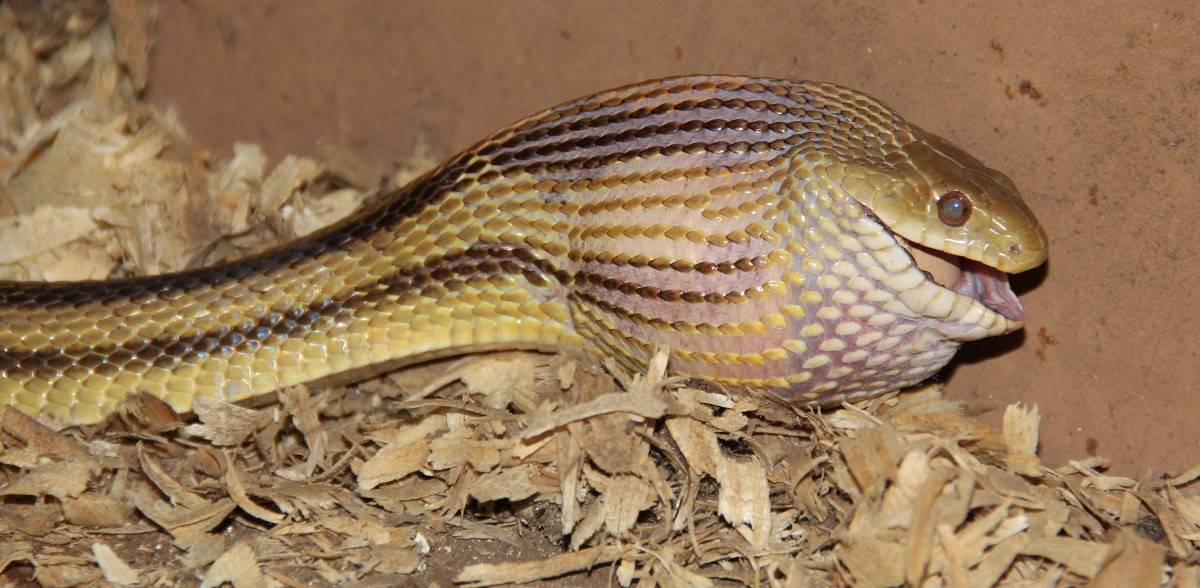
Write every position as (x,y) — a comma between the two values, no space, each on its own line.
(764,230)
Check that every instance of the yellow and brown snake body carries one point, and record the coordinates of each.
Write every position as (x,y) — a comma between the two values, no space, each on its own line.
(761,229)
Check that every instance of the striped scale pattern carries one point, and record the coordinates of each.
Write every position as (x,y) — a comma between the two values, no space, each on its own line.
(762,229)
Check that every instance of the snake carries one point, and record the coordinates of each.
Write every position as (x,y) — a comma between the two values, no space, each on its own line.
(767,232)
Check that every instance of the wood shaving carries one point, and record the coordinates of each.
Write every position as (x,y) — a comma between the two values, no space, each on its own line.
(121,184)
(504,468)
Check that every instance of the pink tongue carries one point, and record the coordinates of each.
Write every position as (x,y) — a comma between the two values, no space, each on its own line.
(989,286)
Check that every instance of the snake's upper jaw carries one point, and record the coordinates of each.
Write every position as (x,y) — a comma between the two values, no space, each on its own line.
(990,287)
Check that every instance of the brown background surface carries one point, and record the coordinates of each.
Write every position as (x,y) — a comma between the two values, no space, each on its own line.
(1090,107)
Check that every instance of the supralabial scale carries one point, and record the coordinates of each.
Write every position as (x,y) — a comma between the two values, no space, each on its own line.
(764,230)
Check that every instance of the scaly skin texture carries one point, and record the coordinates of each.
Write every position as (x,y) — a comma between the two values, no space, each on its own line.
(760,228)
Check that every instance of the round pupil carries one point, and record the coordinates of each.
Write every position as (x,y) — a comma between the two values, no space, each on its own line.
(952,207)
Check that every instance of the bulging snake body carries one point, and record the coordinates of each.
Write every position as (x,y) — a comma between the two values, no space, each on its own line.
(764,230)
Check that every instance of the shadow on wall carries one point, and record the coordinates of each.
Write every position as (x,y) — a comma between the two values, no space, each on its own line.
(992,347)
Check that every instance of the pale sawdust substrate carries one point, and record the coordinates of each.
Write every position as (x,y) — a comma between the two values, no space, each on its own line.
(509,467)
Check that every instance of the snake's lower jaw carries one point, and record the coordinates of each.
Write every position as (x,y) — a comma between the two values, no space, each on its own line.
(997,310)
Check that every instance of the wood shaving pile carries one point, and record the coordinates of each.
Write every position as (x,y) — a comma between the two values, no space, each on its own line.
(492,469)
(94,184)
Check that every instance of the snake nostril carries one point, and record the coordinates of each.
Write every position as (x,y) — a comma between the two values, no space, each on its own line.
(1014,249)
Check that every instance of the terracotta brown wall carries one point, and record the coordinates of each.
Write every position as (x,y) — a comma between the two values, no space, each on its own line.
(1090,107)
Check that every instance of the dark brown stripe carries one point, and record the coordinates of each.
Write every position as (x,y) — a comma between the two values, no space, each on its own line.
(652,293)
(645,134)
(357,228)
(666,139)
(645,320)
(743,264)
(547,167)
(806,110)
(432,278)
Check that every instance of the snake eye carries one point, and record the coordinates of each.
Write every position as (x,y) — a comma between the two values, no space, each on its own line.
(954,208)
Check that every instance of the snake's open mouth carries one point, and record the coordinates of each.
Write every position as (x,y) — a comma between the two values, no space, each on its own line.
(989,286)
(970,278)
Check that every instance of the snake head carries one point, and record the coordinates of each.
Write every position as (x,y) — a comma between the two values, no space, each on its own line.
(950,202)
(948,209)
